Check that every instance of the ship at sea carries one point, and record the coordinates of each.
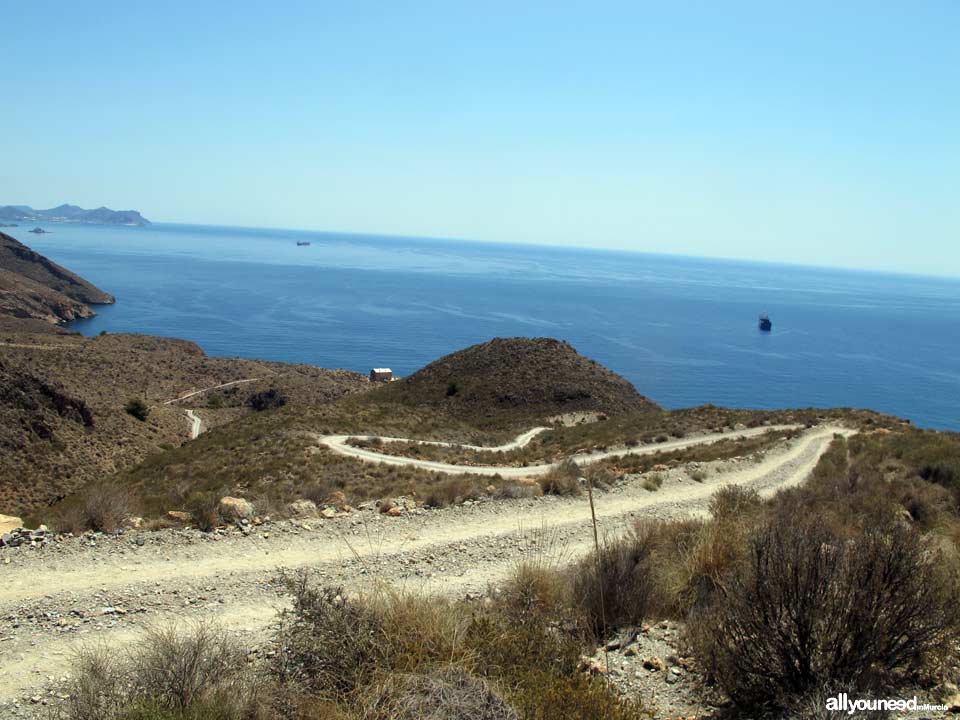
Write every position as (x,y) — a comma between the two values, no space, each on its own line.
(300,243)
(765,324)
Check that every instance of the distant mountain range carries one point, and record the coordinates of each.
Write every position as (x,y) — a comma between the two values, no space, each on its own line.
(73,214)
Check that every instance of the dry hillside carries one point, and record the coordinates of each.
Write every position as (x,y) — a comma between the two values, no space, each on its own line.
(513,380)
(31,286)
(48,454)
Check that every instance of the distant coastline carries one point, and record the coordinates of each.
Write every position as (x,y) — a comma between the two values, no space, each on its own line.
(74,214)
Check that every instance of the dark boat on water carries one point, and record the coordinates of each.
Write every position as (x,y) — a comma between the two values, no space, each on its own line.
(765,324)
(301,243)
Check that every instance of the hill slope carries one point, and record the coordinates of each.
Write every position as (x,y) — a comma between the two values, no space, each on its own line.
(32,286)
(62,397)
(516,378)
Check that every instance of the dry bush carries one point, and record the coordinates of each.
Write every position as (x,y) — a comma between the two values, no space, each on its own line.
(518,491)
(535,590)
(614,588)
(811,607)
(453,491)
(378,656)
(190,672)
(735,503)
(102,507)
(96,691)
(443,694)
(204,508)
(328,643)
(563,479)
(653,482)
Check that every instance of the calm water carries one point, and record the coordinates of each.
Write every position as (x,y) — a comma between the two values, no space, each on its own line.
(682,330)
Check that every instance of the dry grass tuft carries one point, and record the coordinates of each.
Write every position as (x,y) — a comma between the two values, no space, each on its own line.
(563,479)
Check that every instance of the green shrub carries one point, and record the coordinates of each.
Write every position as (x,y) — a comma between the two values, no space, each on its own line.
(810,607)
(137,408)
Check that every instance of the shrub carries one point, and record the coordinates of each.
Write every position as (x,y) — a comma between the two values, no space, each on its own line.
(328,644)
(562,479)
(614,588)
(137,408)
(452,389)
(267,400)
(195,672)
(535,590)
(698,476)
(101,507)
(204,509)
(443,694)
(810,607)
(452,491)
(653,482)
(518,491)
(732,503)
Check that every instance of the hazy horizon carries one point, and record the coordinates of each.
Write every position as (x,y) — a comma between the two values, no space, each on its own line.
(815,135)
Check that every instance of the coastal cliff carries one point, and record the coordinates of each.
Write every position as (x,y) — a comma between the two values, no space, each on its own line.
(32,286)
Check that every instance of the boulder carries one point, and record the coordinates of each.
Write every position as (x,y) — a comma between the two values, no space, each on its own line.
(303,508)
(328,512)
(9,523)
(232,508)
(338,500)
(179,515)
(653,663)
(395,511)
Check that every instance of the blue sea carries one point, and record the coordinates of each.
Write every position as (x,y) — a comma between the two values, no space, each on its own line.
(683,330)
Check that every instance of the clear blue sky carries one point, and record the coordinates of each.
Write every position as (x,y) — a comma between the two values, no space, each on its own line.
(810,132)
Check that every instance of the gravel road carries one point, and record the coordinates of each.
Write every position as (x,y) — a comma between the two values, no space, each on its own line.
(106,588)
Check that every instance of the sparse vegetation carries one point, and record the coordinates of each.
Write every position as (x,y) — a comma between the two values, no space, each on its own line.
(564,479)
(192,672)
(810,607)
(101,506)
(653,482)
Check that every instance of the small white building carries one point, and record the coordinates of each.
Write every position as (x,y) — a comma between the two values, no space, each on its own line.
(381,375)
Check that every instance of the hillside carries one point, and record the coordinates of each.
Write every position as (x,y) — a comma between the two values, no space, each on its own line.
(49,447)
(73,214)
(32,286)
(508,379)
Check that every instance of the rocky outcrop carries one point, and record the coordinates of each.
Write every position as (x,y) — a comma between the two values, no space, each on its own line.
(9,523)
(233,508)
(32,286)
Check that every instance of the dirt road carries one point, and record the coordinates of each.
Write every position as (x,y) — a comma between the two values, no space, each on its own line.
(208,389)
(339,444)
(196,424)
(105,589)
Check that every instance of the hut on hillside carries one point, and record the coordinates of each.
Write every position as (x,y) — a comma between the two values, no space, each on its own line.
(381,375)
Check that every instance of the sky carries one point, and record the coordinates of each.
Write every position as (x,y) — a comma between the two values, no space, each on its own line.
(816,132)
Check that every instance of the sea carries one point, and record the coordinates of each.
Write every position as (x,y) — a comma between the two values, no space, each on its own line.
(682,330)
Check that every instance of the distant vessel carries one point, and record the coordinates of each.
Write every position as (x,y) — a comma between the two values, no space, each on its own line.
(765,323)
(303,242)
(38,231)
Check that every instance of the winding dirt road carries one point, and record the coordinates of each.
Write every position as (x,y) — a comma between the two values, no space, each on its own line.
(55,598)
(196,424)
(189,395)
(340,444)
